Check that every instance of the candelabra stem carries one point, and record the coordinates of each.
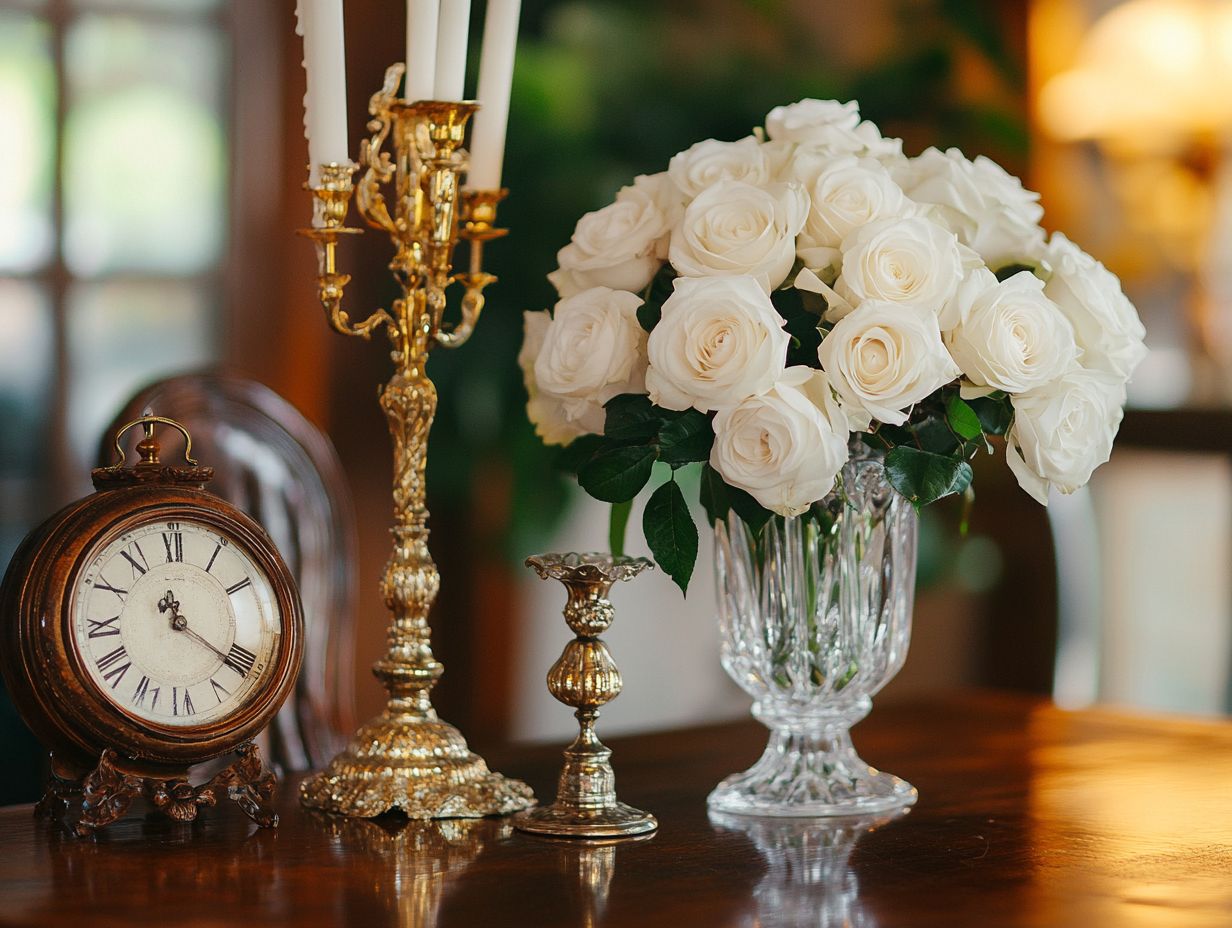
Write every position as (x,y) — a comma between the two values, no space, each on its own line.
(407,758)
(409,670)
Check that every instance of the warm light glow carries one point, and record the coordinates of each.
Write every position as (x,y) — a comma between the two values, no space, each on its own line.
(1147,67)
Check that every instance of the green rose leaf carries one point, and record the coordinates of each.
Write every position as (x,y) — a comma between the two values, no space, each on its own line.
(618,474)
(714,495)
(995,413)
(718,498)
(1005,273)
(754,514)
(962,419)
(648,315)
(670,533)
(933,435)
(924,477)
(631,417)
(656,293)
(571,457)
(800,323)
(686,439)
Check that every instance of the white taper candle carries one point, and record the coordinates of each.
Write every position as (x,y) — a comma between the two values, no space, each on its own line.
(500,40)
(451,39)
(320,23)
(421,26)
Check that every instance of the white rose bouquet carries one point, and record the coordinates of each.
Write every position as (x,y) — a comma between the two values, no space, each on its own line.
(762,305)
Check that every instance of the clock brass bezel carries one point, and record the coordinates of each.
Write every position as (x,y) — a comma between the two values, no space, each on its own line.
(44,669)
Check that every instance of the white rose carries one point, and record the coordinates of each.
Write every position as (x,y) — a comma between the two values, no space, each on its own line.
(779,157)
(978,201)
(706,163)
(882,359)
(978,280)
(545,411)
(662,191)
(718,342)
(845,193)
(738,229)
(911,261)
(832,127)
(1012,337)
(618,246)
(1064,430)
(810,120)
(1106,325)
(785,446)
(593,349)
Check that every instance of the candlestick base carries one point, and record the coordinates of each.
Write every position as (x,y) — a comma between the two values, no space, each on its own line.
(421,766)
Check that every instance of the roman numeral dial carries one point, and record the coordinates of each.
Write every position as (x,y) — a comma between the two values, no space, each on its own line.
(113,665)
(240,660)
(176,623)
(174,543)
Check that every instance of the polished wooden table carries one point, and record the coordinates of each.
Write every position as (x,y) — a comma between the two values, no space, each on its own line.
(1027,816)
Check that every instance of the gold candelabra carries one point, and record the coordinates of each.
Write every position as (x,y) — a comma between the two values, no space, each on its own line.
(407,758)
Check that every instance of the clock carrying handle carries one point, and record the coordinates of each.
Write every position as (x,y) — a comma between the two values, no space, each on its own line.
(149,470)
(148,448)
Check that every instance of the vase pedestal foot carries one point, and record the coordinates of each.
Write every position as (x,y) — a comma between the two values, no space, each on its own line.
(805,774)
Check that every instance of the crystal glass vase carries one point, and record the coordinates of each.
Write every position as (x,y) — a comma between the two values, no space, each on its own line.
(815,618)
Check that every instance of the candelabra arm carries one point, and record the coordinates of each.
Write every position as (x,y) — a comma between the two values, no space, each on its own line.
(331,198)
(472,306)
(477,226)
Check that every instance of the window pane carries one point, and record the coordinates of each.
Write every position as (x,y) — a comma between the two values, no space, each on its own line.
(145,154)
(123,335)
(27,106)
(26,366)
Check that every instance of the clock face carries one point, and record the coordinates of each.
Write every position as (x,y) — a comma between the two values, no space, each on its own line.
(175,623)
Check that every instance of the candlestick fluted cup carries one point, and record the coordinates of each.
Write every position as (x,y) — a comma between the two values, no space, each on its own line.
(407,758)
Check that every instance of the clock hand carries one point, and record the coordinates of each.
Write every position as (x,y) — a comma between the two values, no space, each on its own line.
(179,622)
(197,638)
(171,604)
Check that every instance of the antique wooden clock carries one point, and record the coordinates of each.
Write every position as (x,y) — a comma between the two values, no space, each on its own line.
(148,628)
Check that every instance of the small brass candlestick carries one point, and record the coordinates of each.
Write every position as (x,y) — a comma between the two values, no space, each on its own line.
(407,758)
(585,677)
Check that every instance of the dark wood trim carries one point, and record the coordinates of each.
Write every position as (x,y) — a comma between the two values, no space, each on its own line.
(1177,430)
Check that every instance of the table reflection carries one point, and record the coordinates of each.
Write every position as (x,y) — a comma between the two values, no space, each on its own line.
(412,864)
(151,858)
(809,880)
(587,866)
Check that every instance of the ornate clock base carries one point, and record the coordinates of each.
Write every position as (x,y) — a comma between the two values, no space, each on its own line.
(419,765)
(82,806)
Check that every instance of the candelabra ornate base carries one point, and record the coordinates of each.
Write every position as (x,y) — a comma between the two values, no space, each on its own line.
(406,758)
(586,678)
(419,765)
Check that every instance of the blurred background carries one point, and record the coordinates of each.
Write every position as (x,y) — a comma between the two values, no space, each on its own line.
(151,169)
